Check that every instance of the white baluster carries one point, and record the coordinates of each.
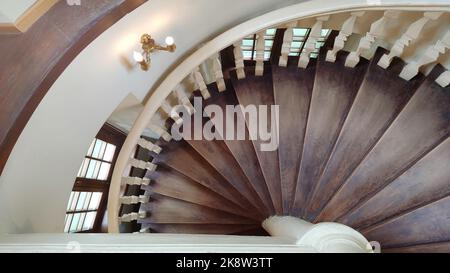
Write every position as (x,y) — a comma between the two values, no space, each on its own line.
(142,164)
(259,49)
(160,131)
(444,79)
(135,181)
(239,60)
(128,200)
(376,30)
(310,44)
(200,83)
(133,216)
(411,34)
(184,100)
(287,42)
(346,30)
(171,112)
(149,146)
(217,67)
(431,55)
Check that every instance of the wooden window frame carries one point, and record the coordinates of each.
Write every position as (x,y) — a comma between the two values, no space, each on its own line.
(114,136)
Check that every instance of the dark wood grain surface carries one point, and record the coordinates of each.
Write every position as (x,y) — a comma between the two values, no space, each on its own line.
(335,88)
(374,109)
(419,128)
(292,89)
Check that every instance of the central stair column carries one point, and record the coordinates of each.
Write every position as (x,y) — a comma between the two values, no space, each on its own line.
(323,237)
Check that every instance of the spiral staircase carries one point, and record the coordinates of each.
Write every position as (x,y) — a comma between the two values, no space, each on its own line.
(359,144)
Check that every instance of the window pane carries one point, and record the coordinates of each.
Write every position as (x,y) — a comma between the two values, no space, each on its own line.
(296,44)
(313,55)
(74,200)
(270,31)
(102,150)
(96,170)
(91,169)
(247,43)
(104,171)
(80,222)
(97,147)
(85,167)
(95,200)
(109,153)
(324,32)
(89,153)
(89,220)
(300,31)
(67,224)
(247,55)
(266,55)
(87,201)
(268,43)
(74,225)
(70,200)
(81,200)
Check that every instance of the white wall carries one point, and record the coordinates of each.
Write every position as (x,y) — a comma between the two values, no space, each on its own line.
(38,177)
(11,10)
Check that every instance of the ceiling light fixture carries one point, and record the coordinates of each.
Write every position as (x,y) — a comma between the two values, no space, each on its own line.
(149,46)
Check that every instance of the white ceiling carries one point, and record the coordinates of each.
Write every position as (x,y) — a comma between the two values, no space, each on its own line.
(11,10)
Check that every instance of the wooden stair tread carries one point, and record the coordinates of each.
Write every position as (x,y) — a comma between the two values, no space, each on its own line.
(177,153)
(292,91)
(335,87)
(244,153)
(440,247)
(258,91)
(373,110)
(217,154)
(429,224)
(421,126)
(169,182)
(166,210)
(425,182)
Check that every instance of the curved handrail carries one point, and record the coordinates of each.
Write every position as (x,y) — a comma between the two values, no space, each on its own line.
(277,17)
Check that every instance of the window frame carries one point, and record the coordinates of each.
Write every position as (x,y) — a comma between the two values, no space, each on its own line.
(108,134)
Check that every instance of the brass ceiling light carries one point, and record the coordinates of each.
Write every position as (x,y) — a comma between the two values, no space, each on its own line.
(149,46)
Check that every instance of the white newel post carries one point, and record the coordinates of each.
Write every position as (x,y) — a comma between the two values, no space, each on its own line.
(323,237)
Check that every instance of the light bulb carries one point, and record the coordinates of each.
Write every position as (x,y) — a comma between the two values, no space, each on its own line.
(169,40)
(138,56)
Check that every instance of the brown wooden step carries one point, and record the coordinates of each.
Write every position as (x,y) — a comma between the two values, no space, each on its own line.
(180,156)
(258,91)
(168,182)
(335,87)
(167,210)
(427,181)
(421,126)
(381,97)
(428,224)
(292,91)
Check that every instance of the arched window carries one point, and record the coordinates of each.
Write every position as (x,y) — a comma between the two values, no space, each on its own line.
(88,199)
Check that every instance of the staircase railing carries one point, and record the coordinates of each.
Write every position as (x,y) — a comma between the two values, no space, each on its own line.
(344,17)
